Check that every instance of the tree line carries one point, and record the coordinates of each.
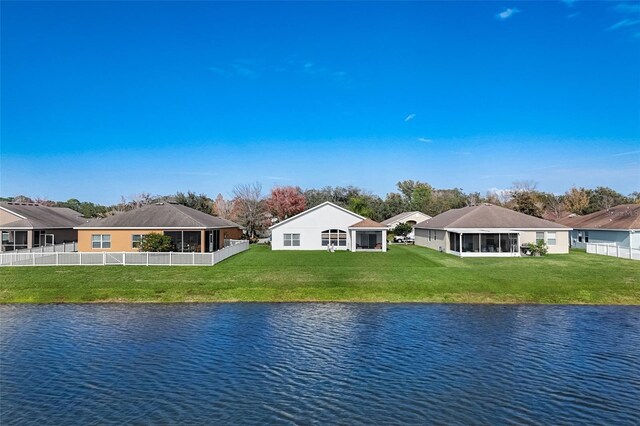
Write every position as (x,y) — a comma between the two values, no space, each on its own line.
(256,210)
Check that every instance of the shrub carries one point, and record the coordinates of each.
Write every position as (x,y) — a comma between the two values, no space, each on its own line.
(156,242)
(538,249)
(402,229)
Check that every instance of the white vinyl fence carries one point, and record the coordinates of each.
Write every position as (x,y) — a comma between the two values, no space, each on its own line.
(123,258)
(613,250)
(62,247)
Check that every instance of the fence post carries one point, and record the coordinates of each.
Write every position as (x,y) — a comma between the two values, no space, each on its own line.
(34,259)
(147,258)
(57,258)
(193,258)
(124,258)
(170,258)
(104,258)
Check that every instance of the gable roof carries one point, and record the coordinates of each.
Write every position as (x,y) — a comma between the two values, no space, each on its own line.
(37,216)
(368,223)
(402,215)
(161,215)
(326,203)
(624,216)
(486,216)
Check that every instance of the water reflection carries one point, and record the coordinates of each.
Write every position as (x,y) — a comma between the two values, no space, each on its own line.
(319,363)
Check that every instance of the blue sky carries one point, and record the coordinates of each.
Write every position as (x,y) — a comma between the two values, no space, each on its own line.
(107,99)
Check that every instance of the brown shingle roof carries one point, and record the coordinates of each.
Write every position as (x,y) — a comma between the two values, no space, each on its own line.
(624,216)
(37,216)
(486,216)
(161,215)
(367,223)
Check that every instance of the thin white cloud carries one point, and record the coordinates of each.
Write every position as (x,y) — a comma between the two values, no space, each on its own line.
(569,3)
(425,140)
(573,15)
(624,23)
(507,13)
(626,153)
(409,117)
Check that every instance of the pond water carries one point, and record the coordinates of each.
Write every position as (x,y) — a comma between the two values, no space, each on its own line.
(319,364)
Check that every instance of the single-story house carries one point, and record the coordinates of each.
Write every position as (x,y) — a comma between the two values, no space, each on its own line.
(489,230)
(619,225)
(410,218)
(190,230)
(30,225)
(328,224)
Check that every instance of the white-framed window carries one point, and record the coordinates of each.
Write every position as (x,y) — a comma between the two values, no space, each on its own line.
(136,239)
(579,236)
(101,241)
(551,238)
(539,237)
(291,240)
(337,237)
(6,236)
(586,236)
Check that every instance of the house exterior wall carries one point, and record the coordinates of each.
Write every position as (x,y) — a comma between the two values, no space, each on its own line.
(562,240)
(7,217)
(121,238)
(621,238)
(416,218)
(310,226)
(439,239)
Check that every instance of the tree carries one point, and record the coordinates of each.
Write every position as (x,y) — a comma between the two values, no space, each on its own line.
(285,201)
(553,204)
(250,208)
(392,205)
(198,202)
(223,208)
(603,198)
(156,242)
(360,205)
(576,200)
(525,199)
(402,229)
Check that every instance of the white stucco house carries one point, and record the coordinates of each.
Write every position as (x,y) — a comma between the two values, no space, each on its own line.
(489,231)
(325,224)
(617,226)
(410,218)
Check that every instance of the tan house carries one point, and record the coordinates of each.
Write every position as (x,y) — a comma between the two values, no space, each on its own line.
(410,218)
(190,230)
(31,225)
(489,231)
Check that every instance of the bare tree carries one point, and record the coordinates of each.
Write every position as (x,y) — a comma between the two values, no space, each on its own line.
(250,207)
(223,208)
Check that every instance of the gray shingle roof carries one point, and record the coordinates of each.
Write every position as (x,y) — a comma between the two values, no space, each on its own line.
(161,215)
(486,216)
(37,216)
(400,216)
(624,216)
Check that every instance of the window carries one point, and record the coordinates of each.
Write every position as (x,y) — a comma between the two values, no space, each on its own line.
(429,235)
(579,236)
(551,238)
(101,241)
(337,237)
(5,237)
(292,240)
(586,236)
(136,239)
(539,237)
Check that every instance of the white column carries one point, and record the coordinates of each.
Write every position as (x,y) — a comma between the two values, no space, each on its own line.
(353,240)
(384,240)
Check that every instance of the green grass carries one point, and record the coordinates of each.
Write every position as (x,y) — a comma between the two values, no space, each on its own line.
(404,274)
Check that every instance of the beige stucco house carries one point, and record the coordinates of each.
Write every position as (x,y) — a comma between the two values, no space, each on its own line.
(190,230)
(410,218)
(489,231)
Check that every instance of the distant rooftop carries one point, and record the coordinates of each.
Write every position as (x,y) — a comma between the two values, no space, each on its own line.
(624,216)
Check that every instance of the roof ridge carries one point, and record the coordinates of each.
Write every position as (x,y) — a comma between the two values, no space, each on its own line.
(174,206)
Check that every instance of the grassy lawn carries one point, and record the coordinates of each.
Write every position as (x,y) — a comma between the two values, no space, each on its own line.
(404,274)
